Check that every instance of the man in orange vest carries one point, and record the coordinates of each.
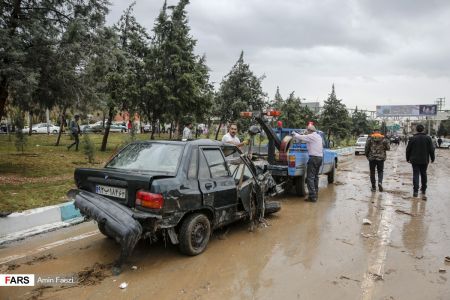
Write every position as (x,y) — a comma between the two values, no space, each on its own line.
(376,147)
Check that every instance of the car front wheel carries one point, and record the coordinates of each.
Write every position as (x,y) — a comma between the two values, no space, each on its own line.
(194,234)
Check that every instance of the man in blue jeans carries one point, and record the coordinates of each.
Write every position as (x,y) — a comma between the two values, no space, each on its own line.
(314,145)
(419,151)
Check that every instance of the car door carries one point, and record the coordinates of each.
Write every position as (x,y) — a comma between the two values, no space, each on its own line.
(216,183)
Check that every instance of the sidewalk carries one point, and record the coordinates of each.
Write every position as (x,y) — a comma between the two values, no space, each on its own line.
(17,226)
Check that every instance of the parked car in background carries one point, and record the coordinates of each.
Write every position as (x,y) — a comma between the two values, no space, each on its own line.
(394,140)
(147,127)
(42,128)
(92,128)
(360,146)
(445,143)
(117,128)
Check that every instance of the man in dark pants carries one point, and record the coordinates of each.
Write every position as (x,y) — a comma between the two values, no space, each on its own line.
(419,152)
(75,129)
(314,145)
(375,149)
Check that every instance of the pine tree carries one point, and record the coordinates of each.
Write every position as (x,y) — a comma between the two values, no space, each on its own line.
(239,91)
(359,122)
(334,119)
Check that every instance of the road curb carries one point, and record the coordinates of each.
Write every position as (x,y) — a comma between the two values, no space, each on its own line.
(30,222)
(344,154)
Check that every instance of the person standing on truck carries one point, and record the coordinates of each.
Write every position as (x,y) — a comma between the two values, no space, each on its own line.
(376,147)
(75,130)
(231,137)
(419,151)
(314,144)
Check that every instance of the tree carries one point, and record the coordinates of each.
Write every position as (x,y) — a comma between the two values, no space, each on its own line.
(30,33)
(360,123)
(444,128)
(293,115)
(334,119)
(240,90)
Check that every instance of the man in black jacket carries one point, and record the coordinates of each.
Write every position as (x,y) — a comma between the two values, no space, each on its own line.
(419,151)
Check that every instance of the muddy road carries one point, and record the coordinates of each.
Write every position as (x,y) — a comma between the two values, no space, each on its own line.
(309,250)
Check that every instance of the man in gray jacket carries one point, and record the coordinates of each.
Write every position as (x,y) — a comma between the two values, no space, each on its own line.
(75,129)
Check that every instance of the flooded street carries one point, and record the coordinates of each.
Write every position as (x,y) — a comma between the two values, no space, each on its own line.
(309,250)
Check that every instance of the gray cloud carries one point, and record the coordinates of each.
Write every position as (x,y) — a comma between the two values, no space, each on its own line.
(374,51)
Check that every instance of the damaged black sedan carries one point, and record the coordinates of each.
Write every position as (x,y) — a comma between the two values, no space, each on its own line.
(181,190)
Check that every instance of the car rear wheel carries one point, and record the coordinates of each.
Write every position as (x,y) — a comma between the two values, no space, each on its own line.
(300,185)
(331,174)
(194,234)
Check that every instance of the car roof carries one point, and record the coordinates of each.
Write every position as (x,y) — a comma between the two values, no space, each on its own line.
(199,142)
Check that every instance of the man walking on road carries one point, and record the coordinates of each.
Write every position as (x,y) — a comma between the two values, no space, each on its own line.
(376,147)
(419,151)
(314,145)
(75,129)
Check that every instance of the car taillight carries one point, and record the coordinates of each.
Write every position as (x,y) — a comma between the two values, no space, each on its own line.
(291,163)
(149,200)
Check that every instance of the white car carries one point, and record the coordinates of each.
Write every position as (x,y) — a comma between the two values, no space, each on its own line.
(42,128)
(445,143)
(360,146)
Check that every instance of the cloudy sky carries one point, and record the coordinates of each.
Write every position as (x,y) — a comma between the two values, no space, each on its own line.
(376,52)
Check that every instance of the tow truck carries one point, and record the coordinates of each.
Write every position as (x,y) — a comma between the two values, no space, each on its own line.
(287,159)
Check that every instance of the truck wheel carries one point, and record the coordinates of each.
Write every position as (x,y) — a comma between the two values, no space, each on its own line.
(300,185)
(331,174)
(194,234)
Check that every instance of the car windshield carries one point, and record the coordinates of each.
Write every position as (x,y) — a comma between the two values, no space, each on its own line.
(153,157)
(362,140)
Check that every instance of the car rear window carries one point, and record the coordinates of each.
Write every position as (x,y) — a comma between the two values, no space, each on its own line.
(153,157)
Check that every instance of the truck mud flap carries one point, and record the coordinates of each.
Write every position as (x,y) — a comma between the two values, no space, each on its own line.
(115,219)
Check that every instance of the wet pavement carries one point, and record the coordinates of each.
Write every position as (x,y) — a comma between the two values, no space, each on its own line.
(310,250)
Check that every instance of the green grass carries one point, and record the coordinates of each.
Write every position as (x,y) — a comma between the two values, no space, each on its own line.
(44,173)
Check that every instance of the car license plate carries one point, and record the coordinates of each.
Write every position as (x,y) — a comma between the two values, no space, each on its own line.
(110,191)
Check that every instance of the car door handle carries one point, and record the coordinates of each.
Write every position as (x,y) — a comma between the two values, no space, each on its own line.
(208,185)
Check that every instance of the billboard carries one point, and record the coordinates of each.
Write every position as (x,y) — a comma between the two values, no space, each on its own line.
(406,110)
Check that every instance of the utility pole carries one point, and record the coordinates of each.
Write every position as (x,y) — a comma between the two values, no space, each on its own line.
(440,102)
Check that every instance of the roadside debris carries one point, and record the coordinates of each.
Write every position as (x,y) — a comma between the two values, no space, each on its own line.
(367,236)
(376,277)
(442,270)
(367,222)
(400,211)
(123,285)
(134,268)
(348,278)
(447,259)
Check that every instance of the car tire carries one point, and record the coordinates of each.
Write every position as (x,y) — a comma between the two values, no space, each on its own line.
(332,174)
(55,131)
(299,182)
(356,153)
(33,131)
(194,234)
